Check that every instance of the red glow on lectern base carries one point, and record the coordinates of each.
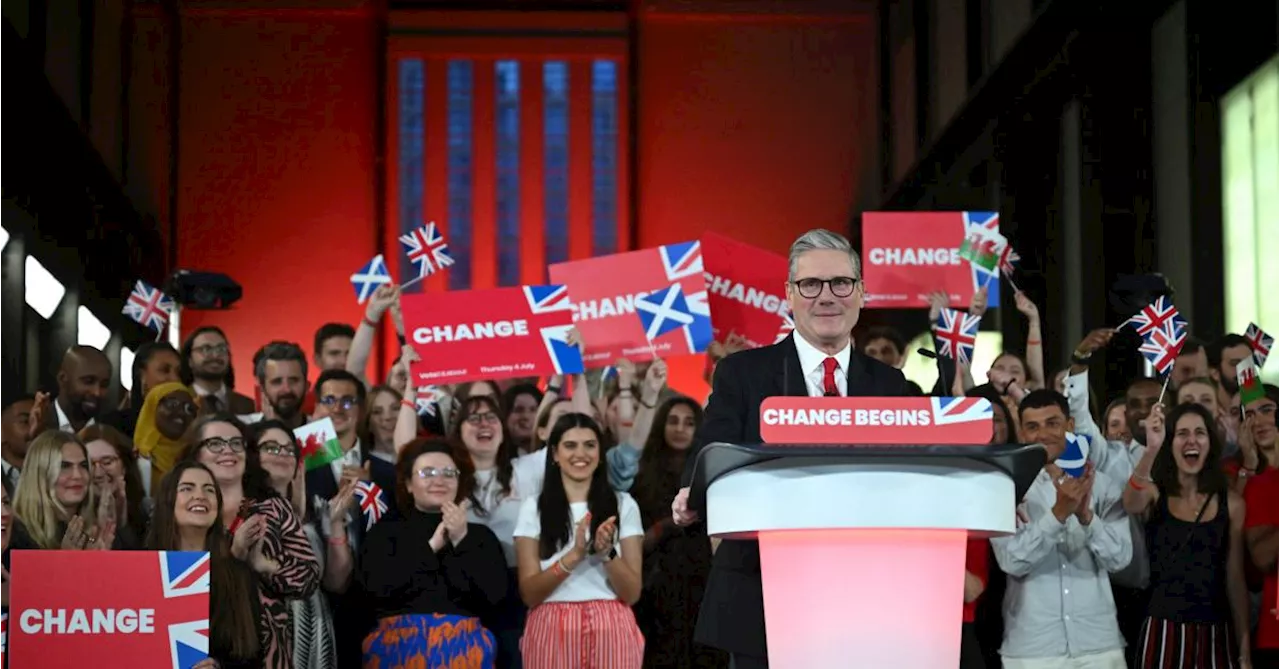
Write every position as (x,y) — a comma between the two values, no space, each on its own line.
(863,598)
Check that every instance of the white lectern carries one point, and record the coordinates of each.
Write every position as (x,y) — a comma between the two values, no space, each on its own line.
(862,548)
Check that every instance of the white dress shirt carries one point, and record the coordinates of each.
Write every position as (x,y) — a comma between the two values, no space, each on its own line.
(1058,600)
(811,362)
(64,423)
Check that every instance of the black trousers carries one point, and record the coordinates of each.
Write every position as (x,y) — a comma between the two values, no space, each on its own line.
(737,661)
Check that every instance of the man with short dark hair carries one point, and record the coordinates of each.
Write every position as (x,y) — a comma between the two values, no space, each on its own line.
(1192,363)
(15,434)
(83,379)
(1222,357)
(280,369)
(333,344)
(340,396)
(1058,608)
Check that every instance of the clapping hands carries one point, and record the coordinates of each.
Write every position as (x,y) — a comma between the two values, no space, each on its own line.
(453,525)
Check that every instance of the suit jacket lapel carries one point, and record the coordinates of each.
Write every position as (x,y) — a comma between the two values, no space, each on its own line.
(790,377)
(859,379)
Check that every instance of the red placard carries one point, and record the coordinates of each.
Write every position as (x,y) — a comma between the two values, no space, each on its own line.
(606,291)
(746,288)
(490,334)
(152,610)
(907,255)
(876,420)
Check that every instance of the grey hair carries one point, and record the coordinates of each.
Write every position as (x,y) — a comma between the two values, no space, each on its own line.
(820,239)
(278,351)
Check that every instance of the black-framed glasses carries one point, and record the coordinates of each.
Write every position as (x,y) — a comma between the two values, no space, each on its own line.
(276,448)
(482,418)
(436,472)
(212,349)
(107,462)
(218,445)
(179,405)
(334,402)
(841,286)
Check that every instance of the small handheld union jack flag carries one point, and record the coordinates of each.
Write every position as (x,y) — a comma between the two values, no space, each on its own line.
(1162,345)
(1157,315)
(784,330)
(956,333)
(372,503)
(1260,343)
(148,306)
(426,246)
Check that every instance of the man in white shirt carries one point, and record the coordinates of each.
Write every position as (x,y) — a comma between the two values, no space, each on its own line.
(83,380)
(1058,608)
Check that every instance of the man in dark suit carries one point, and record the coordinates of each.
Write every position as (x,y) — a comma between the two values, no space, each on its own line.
(825,291)
(340,396)
(206,367)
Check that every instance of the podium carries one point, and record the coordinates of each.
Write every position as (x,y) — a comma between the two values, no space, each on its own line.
(862,547)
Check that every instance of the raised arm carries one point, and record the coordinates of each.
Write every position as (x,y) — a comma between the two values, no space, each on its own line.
(1035,347)
(1141,492)
(407,419)
(382,299)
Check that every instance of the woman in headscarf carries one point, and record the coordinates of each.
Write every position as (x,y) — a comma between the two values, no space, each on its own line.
(167,412)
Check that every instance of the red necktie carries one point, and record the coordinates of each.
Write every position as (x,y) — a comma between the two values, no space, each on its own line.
(829,377)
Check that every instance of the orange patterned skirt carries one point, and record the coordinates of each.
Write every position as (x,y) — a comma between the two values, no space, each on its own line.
(433,641)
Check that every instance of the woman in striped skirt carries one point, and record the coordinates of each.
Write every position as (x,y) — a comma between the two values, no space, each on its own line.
(579,546)
(1198,616)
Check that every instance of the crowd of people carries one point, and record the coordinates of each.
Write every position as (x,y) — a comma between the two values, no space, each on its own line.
(541,522)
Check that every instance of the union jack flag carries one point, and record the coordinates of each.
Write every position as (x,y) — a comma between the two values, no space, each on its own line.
(956,333)
(429,399)
(372,503)
(952,410)
(426,246)
(184,574)
(1009,258)
(787,327)
(1162,345)
(565,357)
(1260,343)
(148,306)
(1157,315)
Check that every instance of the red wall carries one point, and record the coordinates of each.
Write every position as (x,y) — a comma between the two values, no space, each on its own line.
(277,167)
(752,125)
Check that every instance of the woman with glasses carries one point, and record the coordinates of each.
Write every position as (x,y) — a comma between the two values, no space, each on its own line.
(265,532)
(429,573)
(166,413)
(188,517)
(312,620)
(580,550)
(116,475)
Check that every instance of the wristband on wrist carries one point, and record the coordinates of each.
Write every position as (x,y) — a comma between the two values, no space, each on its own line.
(1078,359)
(368,322)
(337,541)
(553,389)
(408,405)
(648,405)
(1033,342)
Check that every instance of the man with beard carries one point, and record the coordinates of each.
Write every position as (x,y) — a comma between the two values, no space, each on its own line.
(206,367)
(82,386)
(281,370)
(1223,355)
(15,435)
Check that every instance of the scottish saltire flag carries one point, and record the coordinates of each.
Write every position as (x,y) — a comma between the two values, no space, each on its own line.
(670,309)
(1162,345)
(373,503)
(956,333)
(1260,343)
(1075,455)
(148,306)
(185,574)
(369,277)
(553,299)
(1157,315)
(426,246)
(954,410)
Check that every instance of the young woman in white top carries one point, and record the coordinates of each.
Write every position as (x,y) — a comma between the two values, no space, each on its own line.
(579,546)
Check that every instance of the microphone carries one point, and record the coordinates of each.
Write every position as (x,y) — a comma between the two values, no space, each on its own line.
(944,389)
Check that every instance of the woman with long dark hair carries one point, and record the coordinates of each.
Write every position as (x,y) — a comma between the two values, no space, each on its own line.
(115,473)
(677,559)
(265,532)
(579,545)
(1198,615)
(188,517)
(429,573)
